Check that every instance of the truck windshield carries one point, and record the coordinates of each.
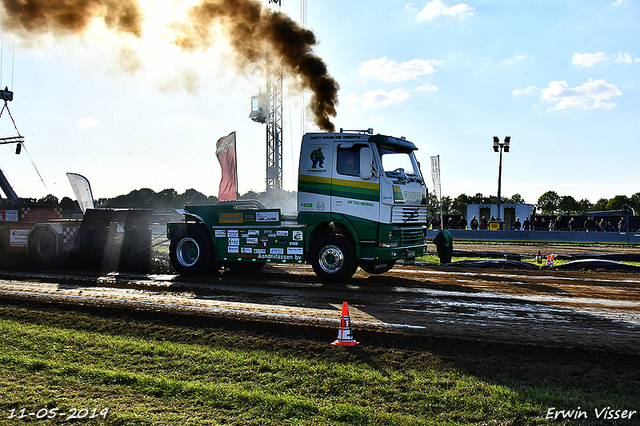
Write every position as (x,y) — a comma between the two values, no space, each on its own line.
(397,163)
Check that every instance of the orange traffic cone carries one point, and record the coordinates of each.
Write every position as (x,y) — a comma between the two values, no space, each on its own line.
(345,338)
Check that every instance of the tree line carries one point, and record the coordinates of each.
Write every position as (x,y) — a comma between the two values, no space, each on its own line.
(549,203)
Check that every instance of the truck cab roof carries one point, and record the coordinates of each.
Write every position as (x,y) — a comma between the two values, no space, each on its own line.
(346,136)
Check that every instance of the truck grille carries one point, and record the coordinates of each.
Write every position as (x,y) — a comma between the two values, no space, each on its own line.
(406,214)
(411,237)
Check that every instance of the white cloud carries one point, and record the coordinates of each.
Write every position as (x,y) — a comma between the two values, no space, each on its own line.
(509,61)
(382,98)
(619,2)
(436,8)
(387,70)
(589,59)
(428,87)
(526,90)
(86,122)
(590,95)
(624,58)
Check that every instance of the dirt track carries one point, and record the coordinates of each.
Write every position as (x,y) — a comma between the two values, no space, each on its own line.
(561,309)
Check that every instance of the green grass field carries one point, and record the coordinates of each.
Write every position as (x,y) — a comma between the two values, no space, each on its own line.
(122,371)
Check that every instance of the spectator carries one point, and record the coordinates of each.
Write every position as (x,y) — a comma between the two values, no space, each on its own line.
(623,226)
(516,225)
(474,223)
(559,223)
(450,224)
(462,223)
(435,223)
(552,225)
(526,224)
(573,225)
(602,225)
(609,227)
(444,246)
(589,223)
(544,225)
(536,224)
(483,223)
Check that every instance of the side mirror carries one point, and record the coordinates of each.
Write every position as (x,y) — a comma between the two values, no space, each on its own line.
(365,164)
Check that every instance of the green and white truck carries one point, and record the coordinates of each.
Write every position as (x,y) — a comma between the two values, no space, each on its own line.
(362,201)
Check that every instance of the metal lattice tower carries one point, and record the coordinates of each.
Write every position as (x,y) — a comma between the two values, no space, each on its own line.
(274,118)
(274,127)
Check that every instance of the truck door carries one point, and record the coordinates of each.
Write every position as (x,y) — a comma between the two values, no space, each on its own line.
(355,191)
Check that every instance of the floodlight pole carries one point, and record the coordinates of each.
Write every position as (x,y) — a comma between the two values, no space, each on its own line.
(498,147)
(499,183)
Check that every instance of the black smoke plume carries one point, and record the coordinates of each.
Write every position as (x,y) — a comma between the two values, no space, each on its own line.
(250,28)
(44,16)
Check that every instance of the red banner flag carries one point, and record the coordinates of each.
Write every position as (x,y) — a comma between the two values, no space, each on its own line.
(226,152)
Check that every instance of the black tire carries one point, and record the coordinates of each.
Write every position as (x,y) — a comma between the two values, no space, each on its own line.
(376,266)
(192,252)
(43,253)
(333,258)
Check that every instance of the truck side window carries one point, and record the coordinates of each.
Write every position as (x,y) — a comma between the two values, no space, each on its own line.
(349,161)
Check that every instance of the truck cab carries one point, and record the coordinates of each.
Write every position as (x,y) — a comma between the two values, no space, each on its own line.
(365,197)
(362,201)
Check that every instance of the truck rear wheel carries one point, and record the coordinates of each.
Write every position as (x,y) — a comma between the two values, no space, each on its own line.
(333,258)
(376,266)
(192,252)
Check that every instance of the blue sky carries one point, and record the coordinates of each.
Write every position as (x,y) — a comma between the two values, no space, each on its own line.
(559,77)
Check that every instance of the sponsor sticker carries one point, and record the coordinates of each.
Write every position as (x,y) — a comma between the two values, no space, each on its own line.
(18,237)
(220,233)
(233,242)
(232,233)
(267,216)
(232,249)
(230,217)
(294,250)
(252,240)
(276,250)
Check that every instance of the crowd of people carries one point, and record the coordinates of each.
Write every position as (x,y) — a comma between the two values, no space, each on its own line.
(538,224)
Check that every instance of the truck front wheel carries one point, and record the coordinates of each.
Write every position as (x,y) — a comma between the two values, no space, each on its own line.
(192,253)
(333,258)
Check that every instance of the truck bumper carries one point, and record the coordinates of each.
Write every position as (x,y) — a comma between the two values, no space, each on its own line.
(407,253)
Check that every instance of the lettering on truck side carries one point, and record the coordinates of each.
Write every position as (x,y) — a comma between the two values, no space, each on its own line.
(360,203)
